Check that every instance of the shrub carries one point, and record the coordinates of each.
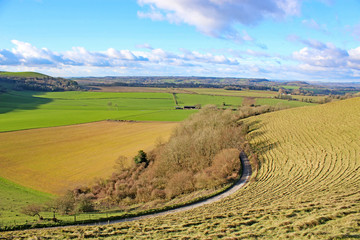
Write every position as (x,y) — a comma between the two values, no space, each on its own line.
(180,183)
(141,157)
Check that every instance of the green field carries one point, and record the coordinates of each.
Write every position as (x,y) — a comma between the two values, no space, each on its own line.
(254,94)
(17,196)
(23,74)
(290,87)
(193,99)
(242,93)
(306,187)
(27,110)
(274,102)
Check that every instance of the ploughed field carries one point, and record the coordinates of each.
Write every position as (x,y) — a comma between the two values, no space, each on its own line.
(57,159)
(37,164)
(307,185)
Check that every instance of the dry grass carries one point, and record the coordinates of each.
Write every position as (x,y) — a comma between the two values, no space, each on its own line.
(307,187)
(55,159)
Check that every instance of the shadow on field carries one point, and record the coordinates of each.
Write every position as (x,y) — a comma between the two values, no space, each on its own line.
(21,100)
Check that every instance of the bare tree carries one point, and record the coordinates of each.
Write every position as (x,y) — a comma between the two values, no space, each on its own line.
(32,210)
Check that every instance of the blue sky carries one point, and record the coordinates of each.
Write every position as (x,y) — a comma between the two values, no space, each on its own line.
(312,40)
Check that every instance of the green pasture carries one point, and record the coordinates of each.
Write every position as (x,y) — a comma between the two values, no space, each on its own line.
(26,110)
(274,102)
(290,87)
(193,99)
(242,93)
(22,74)
(13,197)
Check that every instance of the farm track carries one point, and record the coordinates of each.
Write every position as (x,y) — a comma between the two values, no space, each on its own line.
(307,186)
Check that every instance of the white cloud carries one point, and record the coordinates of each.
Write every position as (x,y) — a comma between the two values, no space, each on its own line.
(28,55)
(315,61)
(329,61)
(329,56)
(218,17)
(354,54)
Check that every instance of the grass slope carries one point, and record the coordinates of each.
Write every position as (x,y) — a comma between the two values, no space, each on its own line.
(307,186)
(13,197)
(56,159)
(23,74)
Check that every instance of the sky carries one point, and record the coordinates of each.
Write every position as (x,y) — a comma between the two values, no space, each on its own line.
(310,40)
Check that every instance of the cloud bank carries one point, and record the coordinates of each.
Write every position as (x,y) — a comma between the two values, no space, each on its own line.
(218,18)
(315,61)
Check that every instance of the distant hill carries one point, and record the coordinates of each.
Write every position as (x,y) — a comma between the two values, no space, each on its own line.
(35,81)
(23,74)
(297,83)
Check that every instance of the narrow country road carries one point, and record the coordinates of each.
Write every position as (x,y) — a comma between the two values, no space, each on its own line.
(245,177)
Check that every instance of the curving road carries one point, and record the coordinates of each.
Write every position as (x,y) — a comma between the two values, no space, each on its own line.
(245,177)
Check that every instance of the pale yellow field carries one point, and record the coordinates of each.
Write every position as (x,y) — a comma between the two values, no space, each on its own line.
(56,159)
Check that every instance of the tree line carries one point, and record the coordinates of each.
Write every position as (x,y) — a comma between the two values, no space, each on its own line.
(45,83)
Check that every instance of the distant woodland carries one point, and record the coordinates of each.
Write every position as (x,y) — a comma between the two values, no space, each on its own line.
(239,84)
(35,82)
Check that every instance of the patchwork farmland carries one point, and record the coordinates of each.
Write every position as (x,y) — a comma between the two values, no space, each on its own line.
(27,110)
(307,185)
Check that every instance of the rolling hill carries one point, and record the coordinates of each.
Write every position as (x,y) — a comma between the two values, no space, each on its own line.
(35,81)
(307,185)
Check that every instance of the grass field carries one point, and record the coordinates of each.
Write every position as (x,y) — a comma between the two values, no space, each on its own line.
(193,99)
(243,93)
(274,102)
(141,89)
(13,197)
(26,110)
(290,87)
(307,186)
(253,94)
(22,74)
(56,159)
